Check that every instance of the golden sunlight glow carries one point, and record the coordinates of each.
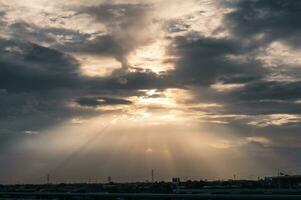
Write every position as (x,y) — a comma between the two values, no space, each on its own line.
(151,57)
(224,144)
(275,119)
(151,145)
(155,101)
(169,101)
(262,140)
(279,54)
(221,87)
(97,66)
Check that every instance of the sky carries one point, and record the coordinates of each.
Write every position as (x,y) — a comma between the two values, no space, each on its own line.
(196,89)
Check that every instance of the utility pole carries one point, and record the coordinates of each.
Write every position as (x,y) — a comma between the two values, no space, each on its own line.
(48,179)
(152,175)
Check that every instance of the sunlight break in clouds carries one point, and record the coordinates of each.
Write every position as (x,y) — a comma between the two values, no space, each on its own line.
(102,88)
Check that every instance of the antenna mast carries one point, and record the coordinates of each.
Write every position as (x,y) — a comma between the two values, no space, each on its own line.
(152,175)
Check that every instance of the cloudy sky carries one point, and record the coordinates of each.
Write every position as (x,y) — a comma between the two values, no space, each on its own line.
(194,89)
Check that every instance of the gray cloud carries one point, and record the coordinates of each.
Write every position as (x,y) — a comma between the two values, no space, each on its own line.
(175,26)
(104,45)
(270,90)
(122,21)
(275,20)
(37,84)
(118,15)
(27,66)
(204,61)
(101,101)
(264,97)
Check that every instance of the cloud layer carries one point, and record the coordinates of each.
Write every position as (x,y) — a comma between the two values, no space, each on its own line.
(230,66)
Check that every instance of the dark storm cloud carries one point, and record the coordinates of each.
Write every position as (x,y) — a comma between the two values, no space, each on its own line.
(275,19)
(256,24)
(27,66)
(56,37)
(101,101)
(254,98)
(34,111)
(253,24)
(262,107)
(70,40)
(204,61)
(265,97)
(104,45)
(129,83)
(3,23)
(30,67)
(271,90)
(37,84)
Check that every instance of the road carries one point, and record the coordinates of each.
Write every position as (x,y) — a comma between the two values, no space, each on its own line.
(36,195)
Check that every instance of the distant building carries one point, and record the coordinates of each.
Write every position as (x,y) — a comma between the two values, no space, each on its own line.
(109,179)
(286,181)
(175,181)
